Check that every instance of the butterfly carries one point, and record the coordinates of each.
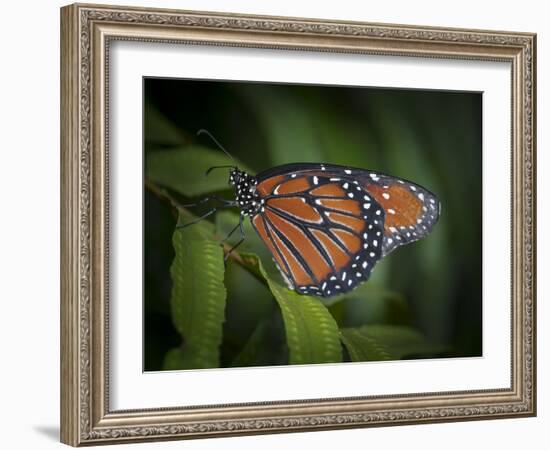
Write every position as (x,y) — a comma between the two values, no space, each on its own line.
(326,225)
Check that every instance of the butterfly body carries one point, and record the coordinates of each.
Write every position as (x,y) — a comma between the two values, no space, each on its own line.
(327,226)
(246,196)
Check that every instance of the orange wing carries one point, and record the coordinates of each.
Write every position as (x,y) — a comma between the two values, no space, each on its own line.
(411,211)
(325,233)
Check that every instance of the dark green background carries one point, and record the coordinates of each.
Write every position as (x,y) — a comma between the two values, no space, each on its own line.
(430,137)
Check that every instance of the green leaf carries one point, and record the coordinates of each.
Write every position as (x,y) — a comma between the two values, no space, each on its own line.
(183,169)
(311,332)
(174,360)
(198,296)
(386,342)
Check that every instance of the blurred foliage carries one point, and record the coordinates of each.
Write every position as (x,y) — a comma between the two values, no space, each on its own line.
(386,342)
(422,301)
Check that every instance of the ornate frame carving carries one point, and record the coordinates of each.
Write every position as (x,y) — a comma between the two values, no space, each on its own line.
(86,31)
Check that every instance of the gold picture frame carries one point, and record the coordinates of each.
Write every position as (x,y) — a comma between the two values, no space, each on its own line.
(86,33)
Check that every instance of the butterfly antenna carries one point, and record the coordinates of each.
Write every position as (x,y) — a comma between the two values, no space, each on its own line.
(203,131)
(218,167)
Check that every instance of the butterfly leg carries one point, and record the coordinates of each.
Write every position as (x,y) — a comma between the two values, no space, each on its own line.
(197,220)
(207,199)
(240,227)
(230,233)
(204,216)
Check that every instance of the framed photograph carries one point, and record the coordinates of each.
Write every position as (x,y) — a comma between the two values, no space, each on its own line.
(276,225)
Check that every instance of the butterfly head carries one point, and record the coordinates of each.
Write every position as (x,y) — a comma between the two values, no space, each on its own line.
(245,191)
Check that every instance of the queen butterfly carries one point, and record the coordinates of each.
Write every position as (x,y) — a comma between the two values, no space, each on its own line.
(327,225)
